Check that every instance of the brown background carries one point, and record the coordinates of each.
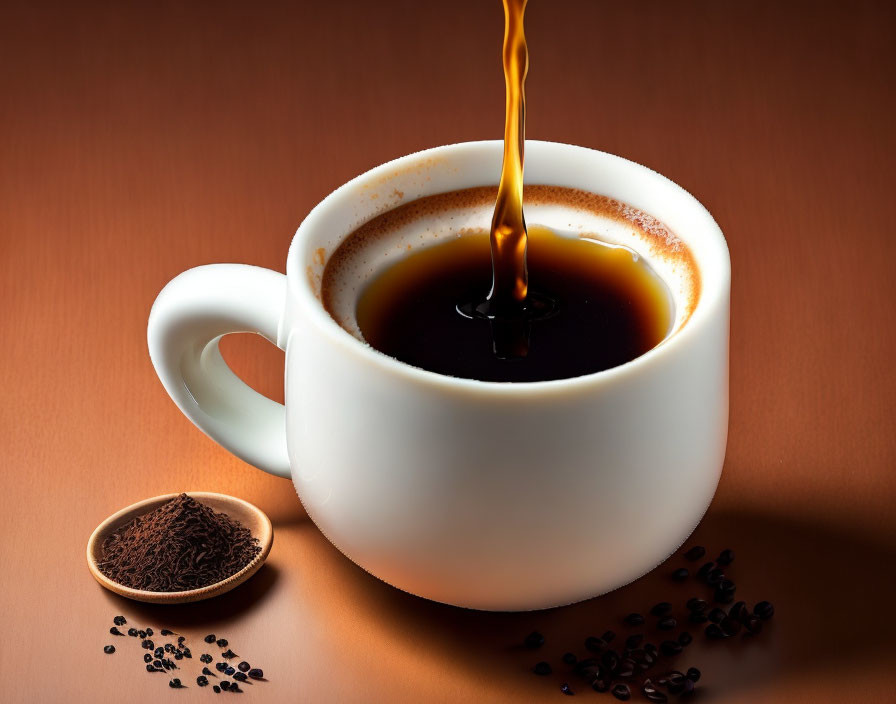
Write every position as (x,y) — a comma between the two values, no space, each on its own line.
(140,139)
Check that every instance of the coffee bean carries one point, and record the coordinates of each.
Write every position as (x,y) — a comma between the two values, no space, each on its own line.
(147,644)
(566,689)
(670,648)
(205,657)
(240,676)
(706,569)
(119,620)
(187,653)
(661,609)
(228,653)
(115,632)
(150,632)
(695,553)
(739,611)
(695,604)
(221,666)
(625,669)
(175,683)
(622,692)
(685,638)
(166,632)
(169,648)
(698,617)
(667,624)
(726,557)
(693,674)
(716,615)
(714,632)
(225,685)
(202,681)
(651,649)
(680,574)
(729,626)
(542,668)
(608,636)
(157,664)
(147,657)
(634,641)
(178,655)
(216,689)
(210,638)
(634,619)
(256,673)
(229,671)
(610,660)
(569,658)
(244,666)
(600,685)
(109,649)
(533,640)
(142,634)
(132,632)
(714,576)
(222,642)
(159,652)
(150,668)
(764,610)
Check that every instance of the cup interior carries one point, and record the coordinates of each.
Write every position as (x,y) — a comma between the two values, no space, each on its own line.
(568,189)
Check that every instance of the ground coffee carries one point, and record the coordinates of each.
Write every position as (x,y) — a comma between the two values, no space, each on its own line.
(179,546)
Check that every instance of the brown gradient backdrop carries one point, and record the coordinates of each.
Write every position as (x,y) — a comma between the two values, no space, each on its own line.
(141,139)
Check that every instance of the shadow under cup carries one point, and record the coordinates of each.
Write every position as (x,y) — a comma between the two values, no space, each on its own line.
(505,496)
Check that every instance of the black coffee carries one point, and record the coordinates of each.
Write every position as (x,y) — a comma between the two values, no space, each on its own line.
(601,306)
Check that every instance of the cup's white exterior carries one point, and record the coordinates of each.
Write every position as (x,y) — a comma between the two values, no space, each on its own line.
(485,495)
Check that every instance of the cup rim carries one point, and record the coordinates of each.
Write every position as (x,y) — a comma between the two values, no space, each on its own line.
(313,310)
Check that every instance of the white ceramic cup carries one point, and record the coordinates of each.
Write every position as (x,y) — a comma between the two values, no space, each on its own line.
(486,495)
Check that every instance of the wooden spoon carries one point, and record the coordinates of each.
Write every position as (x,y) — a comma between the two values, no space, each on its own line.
(250,516)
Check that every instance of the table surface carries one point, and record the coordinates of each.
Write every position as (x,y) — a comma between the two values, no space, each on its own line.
(140,139)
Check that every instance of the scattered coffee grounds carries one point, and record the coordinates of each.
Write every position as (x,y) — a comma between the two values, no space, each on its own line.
(179,546)
(156,661)
(605,669)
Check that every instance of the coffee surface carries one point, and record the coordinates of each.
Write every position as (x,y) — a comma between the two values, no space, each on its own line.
(607,307)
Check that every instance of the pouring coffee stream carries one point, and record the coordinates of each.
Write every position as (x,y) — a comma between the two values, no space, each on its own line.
(510,306)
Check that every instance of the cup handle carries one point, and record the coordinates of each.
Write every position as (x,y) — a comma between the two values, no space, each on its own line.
(187,320)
